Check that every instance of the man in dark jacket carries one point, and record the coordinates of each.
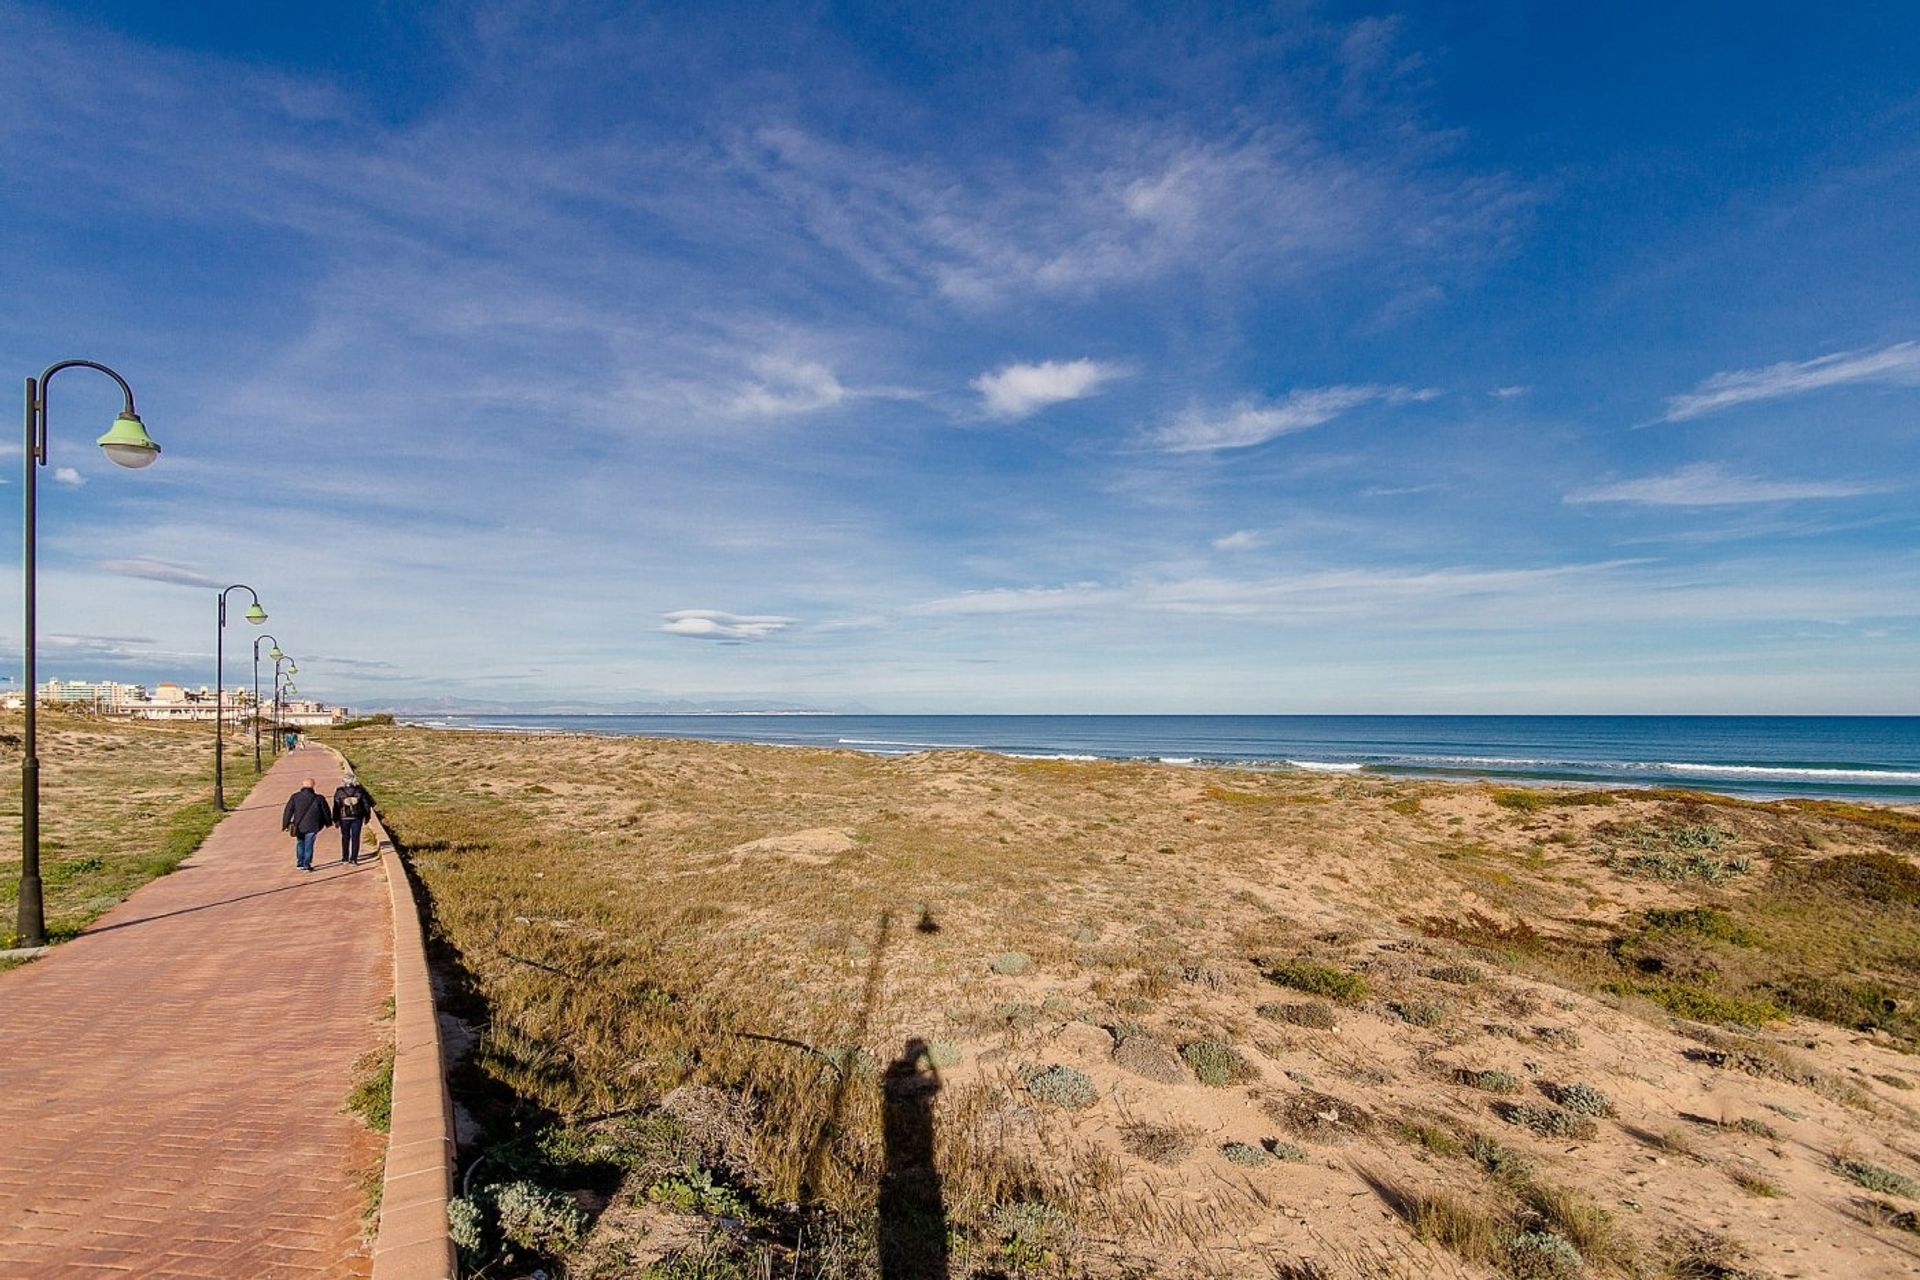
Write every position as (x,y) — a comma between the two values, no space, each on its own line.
(305,816)
(351,804)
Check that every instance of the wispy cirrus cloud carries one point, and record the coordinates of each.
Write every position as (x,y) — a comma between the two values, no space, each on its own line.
(160,571)
(1115,204)
(717,624)
(1449,597)
(1899,363)
(785,386)
(1252,422)
(1708,484)
(1016,390)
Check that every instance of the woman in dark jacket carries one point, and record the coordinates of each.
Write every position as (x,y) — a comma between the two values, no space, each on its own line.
(351,805)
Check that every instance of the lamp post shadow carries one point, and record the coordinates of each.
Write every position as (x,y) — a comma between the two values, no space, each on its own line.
(912,1211)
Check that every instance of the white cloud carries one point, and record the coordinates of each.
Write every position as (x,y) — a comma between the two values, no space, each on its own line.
(1252,422)
(1708,484)
(716,624)
(1508,393)
(1897,363)
(1016,390)
(68,476)
(1239,540)
(1455,597)
(160,571)
(787,386)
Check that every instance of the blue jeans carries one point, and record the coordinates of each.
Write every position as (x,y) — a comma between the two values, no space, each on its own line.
(303,850)
(350,838)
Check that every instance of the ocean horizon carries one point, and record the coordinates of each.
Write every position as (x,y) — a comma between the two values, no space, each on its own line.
(1862,758)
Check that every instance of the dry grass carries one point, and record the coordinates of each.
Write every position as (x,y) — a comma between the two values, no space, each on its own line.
(624,920)
(121,801)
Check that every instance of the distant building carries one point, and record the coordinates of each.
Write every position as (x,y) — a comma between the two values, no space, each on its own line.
(101,695)
(170,700)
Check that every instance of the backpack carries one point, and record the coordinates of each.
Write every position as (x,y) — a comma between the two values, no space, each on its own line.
(349,807)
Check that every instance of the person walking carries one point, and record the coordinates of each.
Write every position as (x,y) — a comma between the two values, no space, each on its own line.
(307,814)
(351,804)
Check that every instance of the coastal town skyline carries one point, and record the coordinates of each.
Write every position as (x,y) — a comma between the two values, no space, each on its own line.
(1097,360)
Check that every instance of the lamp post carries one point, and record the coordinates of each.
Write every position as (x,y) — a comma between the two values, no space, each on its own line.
(273,653)
(256,615)
(278,659)
(127,444)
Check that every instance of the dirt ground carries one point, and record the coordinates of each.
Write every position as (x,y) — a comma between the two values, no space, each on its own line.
(1169,1021)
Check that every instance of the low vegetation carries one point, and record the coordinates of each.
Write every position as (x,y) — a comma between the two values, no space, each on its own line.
(738,1011)
(121,802)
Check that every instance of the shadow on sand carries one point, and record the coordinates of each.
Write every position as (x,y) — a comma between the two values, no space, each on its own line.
(912,1212)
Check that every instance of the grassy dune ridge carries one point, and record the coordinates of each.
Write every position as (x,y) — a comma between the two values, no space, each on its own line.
(121,802)
(1159,1021)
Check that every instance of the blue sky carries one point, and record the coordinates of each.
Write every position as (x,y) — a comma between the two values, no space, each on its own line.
(1310,358)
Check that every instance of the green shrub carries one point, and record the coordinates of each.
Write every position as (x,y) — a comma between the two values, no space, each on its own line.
(1217,1063)
(1875,1178)
(1548,1122)
(1420,1013)
(1286,1151)
(1860,1006)
(1493,1080)
(1498,1159)
(1581,1099)
(371,1097)
(1029,1231)
(1320,980)
(467,1228)
(1699,1003)
(695,1191)
(1882,878)
(1519,799)
(1460,975)
(1314,1013)
(1429,1137)
(1702,922)
(1063,1087)
(536,1218)
(1246,1154)
(1012,963)
(1542,1255)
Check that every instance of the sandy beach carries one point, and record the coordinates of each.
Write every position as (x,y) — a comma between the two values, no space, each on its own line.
(771,1007)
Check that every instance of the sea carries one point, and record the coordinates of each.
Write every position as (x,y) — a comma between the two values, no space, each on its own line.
(1861,758)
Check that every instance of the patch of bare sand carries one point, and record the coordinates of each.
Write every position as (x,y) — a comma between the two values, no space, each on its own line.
(816,846)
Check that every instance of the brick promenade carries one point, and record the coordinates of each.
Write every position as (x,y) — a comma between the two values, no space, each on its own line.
(171,1081)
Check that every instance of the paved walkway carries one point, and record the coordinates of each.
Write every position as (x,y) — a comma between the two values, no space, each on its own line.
(171,1081)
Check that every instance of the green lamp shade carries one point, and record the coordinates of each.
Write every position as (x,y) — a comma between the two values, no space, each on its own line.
(275,653)
(128,444)
(255,614)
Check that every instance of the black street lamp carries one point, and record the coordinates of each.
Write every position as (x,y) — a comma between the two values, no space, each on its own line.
(273,653)
(127,444)
(279,659)
(256,615)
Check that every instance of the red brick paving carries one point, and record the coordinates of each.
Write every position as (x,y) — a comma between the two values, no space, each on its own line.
(171,1081)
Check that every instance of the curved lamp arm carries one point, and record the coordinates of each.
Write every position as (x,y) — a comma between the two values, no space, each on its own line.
(40,406)
(263,636)
(252,610)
